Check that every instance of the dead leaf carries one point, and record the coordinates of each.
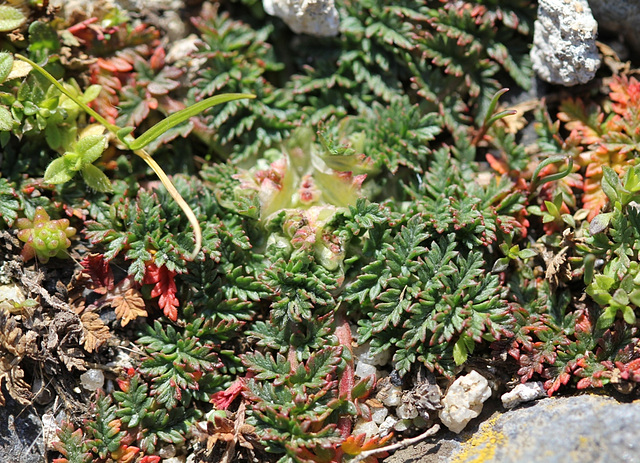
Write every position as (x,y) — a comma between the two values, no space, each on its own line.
(129,306)
(233,431)
(518,121)
(96,332)
(64,338)
(13,377)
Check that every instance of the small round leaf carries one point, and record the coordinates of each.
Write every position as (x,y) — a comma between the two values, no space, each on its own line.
(58,172)
(10,18)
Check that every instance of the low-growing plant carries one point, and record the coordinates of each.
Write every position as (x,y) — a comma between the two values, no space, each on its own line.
(378,195)
(81,161)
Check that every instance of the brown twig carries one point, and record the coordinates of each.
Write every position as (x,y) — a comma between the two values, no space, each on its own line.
(398,445)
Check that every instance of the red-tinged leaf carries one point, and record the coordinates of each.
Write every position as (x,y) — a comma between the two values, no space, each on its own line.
(157,59)
(165,288)
(355,445)
(100,272)
(223,399)
(150,459)
(125,454)
(115,64)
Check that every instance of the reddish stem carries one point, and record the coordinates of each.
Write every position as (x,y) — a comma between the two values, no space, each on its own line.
(347,380)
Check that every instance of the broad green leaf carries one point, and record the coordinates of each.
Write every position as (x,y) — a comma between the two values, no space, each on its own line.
(527,253)
(10,18)
(91,147)
(96,179)
(6,63)
(6,119)
(607,318)
(460,352)
(91,93)
(58,172)
(600,223)
(610,183)
(629,315)
(552,209)
(183,115)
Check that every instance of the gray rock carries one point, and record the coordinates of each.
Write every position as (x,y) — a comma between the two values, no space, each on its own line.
(620,16)
(564,42)
(21,438)
(588,428)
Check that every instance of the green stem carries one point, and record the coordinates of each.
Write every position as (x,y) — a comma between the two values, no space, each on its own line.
(137,144)
(59,86)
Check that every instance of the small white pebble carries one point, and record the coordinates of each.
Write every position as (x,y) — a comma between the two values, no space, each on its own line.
(387,426)
(92,380)
(368,427)
(378,415)
(180,459)
(363,353)
(523,393)
(364,369)
(167,452)
(463,401)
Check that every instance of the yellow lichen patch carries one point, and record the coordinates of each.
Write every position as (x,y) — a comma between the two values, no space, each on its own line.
(482,445)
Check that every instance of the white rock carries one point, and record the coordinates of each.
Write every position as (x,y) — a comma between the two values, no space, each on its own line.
(92,380)
(387,425)
(313,17)
(363,353)
(368,427)
(378,415)
(364,369)
(463,401)
(523,393)
(564,42)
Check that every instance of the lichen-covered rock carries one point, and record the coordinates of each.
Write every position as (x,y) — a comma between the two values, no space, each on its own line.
(620,16)
(523,393)
(463,401)
(564,42)
(313,17)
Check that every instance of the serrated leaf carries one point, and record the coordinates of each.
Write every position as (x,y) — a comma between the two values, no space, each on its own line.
(90,147)
(96,179)
(129,306)
(6,63)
